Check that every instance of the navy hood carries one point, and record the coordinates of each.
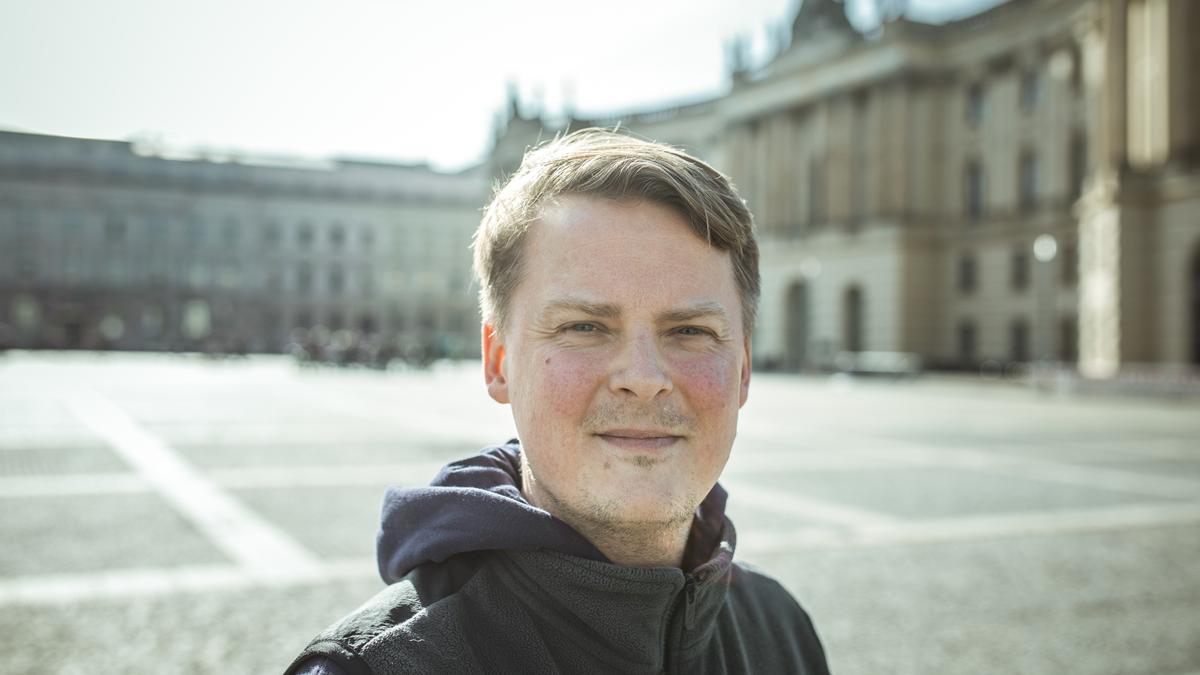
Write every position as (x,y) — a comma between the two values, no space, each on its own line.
(475,504)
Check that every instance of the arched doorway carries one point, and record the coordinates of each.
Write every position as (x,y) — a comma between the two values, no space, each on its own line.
(797,326)
(1195,299)
(852,319)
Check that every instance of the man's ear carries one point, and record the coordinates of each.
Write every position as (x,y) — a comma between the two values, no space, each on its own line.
(493,364)
(747,362)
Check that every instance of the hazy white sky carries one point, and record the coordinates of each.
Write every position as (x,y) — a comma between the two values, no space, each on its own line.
(395,79)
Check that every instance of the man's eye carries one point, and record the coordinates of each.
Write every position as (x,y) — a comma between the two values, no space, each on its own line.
(692,331)
(582,328)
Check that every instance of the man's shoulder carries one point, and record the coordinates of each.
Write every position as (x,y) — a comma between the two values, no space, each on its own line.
(755,589)
(415,620)
(764,608)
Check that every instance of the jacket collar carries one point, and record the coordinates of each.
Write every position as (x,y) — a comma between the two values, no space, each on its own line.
(628,617)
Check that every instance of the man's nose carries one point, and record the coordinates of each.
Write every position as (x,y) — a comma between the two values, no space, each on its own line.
(640,370)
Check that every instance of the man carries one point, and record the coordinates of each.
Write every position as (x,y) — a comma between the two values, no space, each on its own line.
(619,280)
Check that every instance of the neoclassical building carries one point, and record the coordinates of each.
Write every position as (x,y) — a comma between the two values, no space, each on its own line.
(108,245)
(1019,185)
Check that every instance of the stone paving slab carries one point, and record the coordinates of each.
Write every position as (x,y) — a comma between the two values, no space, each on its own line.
(49,535)
(231,454)
(61,459)
(333,522)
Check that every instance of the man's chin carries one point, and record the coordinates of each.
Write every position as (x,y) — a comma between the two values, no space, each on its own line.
(637,512)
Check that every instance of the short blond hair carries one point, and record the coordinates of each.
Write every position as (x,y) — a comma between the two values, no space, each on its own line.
(603,163)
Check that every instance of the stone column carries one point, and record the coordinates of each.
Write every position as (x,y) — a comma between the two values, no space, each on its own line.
(1102,58)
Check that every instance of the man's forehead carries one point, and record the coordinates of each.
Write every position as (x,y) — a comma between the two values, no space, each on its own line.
(582,225)
(600,211)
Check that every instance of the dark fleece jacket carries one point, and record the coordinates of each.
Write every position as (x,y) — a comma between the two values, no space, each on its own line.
(483,582)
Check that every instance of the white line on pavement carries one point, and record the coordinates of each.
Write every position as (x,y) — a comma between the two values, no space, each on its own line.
(939,530)
(245,478)
(241,533)
(413,473)
(70,589)
(71,485)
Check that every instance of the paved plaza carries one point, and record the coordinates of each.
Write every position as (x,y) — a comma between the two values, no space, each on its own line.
(172,514)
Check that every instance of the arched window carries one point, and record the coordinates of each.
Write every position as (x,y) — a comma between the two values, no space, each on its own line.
(797,326)
(852,319)
(967,342)
(1195,293)
(1019,340)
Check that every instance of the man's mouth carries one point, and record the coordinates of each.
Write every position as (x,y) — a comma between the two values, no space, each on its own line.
(639,439)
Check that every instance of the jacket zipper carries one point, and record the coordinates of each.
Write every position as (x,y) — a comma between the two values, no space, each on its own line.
(687,598)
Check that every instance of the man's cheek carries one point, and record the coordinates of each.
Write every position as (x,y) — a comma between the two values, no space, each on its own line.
(711,382)
(569,380)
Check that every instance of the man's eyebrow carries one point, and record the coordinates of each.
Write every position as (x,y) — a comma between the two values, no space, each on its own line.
(704,310)
(597,309)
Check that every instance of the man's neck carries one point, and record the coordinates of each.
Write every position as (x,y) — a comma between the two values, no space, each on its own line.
(638,546)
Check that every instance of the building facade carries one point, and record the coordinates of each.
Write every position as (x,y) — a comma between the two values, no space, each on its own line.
(1019,185)
(105,245)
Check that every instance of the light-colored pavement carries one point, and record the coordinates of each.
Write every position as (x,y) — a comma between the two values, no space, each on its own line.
(173,514)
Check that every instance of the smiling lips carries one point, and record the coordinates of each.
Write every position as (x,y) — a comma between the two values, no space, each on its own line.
(639,439)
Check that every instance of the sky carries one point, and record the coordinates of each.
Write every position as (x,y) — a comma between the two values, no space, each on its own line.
(400,80)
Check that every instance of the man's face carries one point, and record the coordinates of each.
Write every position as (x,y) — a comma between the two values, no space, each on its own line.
(625,361)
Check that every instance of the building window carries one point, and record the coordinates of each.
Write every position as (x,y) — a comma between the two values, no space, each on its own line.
(229,233)
(366,282)
(337,280)
(1078,164)
(304,278)
(1068,340)
(1076,70)
(967,342)
(1027,180)
(271,233)
(27,268)
(966,274)
(1070,264)
(816,190)
(976,105)
(974,187)
(1019,340)
(1031,90)
(115,230)
(861,157)
(337,235)
(195,232)
(1019,269)
(305,235)
(368,236)
(852,317)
